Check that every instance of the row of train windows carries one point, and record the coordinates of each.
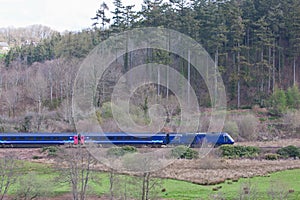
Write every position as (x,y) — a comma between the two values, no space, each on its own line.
(33,138)
(103,138)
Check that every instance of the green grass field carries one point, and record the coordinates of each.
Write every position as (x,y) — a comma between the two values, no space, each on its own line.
(276,184)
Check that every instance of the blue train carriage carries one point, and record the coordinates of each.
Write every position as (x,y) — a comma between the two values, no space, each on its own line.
(121,138)
(214,138)
(197,139)
(18,139)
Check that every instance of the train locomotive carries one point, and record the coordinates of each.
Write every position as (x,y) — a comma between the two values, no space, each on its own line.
(118,138)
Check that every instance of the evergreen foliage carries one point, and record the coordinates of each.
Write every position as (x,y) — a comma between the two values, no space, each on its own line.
(231,151)
(255,44)
(184,152)
(289,152)
(293,97)
(278,102)
(121,151)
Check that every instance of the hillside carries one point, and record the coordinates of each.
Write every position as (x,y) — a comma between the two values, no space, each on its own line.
(254,44)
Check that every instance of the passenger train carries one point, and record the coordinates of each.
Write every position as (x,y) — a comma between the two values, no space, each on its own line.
(118,138)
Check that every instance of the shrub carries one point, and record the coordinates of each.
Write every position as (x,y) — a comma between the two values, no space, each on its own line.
(293,97)
(106,110)
(36,157)
(51,150)
(272,156)
(248,126)
(292,118)
(178,151)
(289,152)
(231,151)
(191,154)
(115,151)
(232,128)
(277,102)
(52,105)
(121,151)
(98,116)
(129,149)
(184,152)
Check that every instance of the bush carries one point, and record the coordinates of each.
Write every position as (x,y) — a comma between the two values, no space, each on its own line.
(292,118)
(293,97)
(178,151)
(51,150)
(248,126)
(190,154)
(106,111)
(129,149)
(289,152)
(52,105)
(121,151)
(277,102)
(232,128)
(272,156)
(231,151)
(36,157)
(184,152)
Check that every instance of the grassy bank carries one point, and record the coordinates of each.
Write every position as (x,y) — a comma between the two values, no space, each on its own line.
(285,183)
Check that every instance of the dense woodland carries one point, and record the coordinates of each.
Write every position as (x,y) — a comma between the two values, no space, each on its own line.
(255,44)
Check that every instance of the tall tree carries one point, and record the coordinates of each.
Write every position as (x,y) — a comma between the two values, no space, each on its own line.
(118,16)
(236,36)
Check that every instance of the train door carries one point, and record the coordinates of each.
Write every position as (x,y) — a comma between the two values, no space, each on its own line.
(75,139)
(81,139)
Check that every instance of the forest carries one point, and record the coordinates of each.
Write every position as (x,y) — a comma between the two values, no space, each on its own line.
(254,43)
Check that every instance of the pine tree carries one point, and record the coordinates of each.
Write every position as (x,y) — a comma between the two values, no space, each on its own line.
(118,16)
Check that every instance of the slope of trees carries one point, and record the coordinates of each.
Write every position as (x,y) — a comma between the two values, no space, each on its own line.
(254,43)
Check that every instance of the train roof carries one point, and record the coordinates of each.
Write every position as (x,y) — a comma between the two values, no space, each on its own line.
(86,134)
(35,134)
(109,134)
(129,134)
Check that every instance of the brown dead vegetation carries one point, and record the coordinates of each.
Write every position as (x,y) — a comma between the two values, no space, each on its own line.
(207,171)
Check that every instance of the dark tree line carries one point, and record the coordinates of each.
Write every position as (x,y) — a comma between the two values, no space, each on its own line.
(255,43)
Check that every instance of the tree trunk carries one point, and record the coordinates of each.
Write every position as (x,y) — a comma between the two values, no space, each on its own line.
(111,182)
(189,76)
(215,77)
(273,68)
(269,71)
(294,66)
(238,83)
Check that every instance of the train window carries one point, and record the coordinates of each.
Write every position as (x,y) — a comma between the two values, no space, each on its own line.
(225,139)
(65,138)
(22,138)
(133,138)
(119,138)
(143,138)
(103,138)
(4,138)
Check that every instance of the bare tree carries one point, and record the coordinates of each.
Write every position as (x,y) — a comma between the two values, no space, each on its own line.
(8,174)
(292,119)
(32,187)
(278,190)
(12,97)
(248,190)
(37,89)
(144,180)
(75,165)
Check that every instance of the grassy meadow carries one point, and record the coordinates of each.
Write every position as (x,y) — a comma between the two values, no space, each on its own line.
(280,184)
